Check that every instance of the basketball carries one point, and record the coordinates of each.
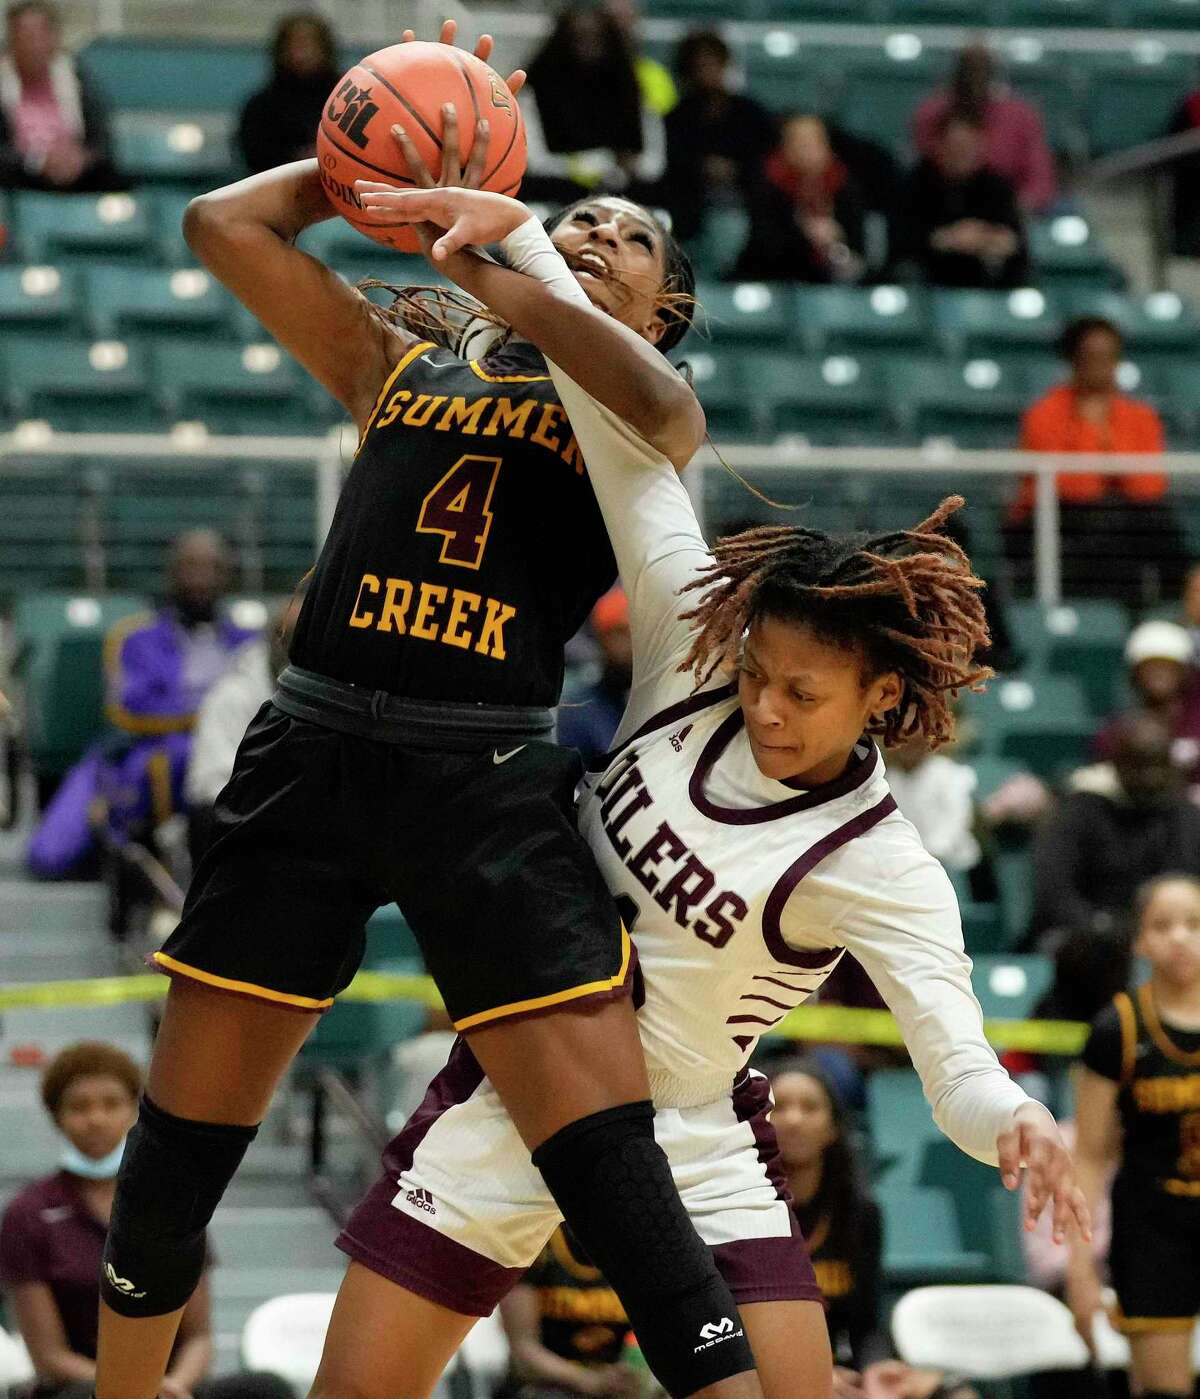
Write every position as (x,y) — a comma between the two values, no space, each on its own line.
(407,85)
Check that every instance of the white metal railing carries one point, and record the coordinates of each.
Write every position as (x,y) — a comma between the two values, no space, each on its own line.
(791,462)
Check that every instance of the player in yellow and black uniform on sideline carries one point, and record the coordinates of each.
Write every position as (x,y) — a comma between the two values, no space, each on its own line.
(566,1329)
(406,757)
(1138,1103)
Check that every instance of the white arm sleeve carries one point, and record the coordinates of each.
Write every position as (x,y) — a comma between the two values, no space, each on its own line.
(908,936)
(646,510)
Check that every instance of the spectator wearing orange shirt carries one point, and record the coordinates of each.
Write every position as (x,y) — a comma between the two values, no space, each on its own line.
(1119,538)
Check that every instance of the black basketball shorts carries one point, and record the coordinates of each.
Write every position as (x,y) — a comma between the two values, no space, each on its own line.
(1154,1258)
(318,828)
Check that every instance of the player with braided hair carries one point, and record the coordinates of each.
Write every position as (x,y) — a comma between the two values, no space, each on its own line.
(744,824)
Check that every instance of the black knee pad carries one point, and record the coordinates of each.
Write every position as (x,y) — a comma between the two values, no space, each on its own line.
(613,1184)
(172,1177)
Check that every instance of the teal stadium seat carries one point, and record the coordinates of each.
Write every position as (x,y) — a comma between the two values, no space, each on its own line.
(899,1124)
(882,87)
(81,385)
(1133,94)
(970,12)
(1008,986)
(123,299)
(810,11)
(759,313)
(1042,721)
(721,238)
(41,534)
(869,322)
(1065,14)
(720,382)
(167,208)
(53,226)
(837,401)
(231,388)
(1181,380)
(996,323)
(1158,14)
(287,523)
(1160,326)
(38,297)
(784,74)
(193,151)
(1057,88)
(922,1241)
(173,75)
(1067,256)
(976,404)
(1081,637)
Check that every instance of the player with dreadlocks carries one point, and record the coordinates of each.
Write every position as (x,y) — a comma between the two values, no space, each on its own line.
(744,825)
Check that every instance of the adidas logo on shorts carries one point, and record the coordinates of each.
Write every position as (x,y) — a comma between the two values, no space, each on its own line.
(422,1200)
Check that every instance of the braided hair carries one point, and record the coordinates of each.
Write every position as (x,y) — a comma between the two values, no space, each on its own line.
(908,600)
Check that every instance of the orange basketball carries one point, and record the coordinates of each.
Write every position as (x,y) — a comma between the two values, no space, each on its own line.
(408,84)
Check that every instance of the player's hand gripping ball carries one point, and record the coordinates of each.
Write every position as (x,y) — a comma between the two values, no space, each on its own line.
(410,85)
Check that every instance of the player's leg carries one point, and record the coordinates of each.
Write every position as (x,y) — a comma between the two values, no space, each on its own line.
(1161,1362)
(385,1342)
(217,1062)
(791,1348)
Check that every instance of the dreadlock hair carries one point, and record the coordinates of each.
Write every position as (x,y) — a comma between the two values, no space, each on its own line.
(908,600)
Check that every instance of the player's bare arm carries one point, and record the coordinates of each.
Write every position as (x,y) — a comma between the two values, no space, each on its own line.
(610,361)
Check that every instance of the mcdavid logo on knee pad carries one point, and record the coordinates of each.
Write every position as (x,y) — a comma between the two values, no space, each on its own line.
(713,1333)
(119,1284)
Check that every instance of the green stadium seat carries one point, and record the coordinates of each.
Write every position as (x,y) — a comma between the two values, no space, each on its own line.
(167,208)
(1043,721)
(922,1242)
(1066,14)
(882,88)
(38,297)
(868,322)
(175,75)
(287,523)
(190,152)
(987,1215)
(835,401)
(971,12)
(51,226)
(42,511)
(231,388)
(983,930)
(60,639)
(1084,638)
(1133,95)
(899,1124)
(702,11)
(80,385)
(720,383)
(810,11)
(757,312)
(1056,88)
(783,74)
(1160,325)
(997,323)
(123,299)
(976,404)
(722,237)
(1181,402)
(1158,14)
(1066,255)
(1008,987)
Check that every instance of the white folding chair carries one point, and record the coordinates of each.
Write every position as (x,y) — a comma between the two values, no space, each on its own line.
(286,1335)
(990,1332)
(15,1364)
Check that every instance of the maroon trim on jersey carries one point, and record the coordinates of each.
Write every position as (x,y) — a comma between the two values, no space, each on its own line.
(752,1104)
(855,775)
(823,957)
(671,715)
(405,1250)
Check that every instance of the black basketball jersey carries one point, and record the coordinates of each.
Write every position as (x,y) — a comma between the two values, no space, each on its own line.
(467,546)
(581,1316)
(1159,1097)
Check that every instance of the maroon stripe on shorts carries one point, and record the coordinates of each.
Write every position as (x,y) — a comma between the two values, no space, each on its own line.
(407,1251)
(766,1270)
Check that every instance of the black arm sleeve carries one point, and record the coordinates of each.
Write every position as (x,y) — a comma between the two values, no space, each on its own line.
(1104,1051)
(868,1342)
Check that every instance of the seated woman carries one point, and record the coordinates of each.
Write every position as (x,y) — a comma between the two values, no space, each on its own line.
(844,1231)
(52,1238)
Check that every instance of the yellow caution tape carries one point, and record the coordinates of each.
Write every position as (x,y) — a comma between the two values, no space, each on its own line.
(833,1024)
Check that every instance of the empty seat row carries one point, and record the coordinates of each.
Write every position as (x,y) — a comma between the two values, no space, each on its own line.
(1120,14)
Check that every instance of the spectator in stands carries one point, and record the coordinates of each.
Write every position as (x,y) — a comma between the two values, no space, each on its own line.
(588,719)
(224,714)
(53,125)
(158,667)
(566,1329)
(1160,659)
(52,1241)
(1015,145)
(806,213)
(613,143)
(279,122)
(1089,413)
(958,224)
(655,82)
(717,138)
(1122,822)
(937,794)
(844,1230)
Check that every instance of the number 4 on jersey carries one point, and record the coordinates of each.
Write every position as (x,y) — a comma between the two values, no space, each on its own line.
(458,508)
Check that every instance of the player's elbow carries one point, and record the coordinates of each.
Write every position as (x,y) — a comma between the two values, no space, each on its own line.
(675,421)
(204,221)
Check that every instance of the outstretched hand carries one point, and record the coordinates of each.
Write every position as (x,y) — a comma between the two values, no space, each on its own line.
(1034,1143)
(483,51)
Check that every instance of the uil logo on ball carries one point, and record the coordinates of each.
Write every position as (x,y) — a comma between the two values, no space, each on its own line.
(352,109)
